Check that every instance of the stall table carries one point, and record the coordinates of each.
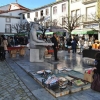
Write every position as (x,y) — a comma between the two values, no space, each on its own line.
(18,49)
(90,53)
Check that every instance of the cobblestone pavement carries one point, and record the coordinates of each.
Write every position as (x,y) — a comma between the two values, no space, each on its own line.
(11,87)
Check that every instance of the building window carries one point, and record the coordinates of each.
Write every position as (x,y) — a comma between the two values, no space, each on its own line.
(90,12)
(78,12)
(55,22)
(8,19)
(23,16)
(41,13)
(47,12)
(73,13)
(63,7)
(55,10)
(36,14)
(8,28)
(63,21)
(28,15)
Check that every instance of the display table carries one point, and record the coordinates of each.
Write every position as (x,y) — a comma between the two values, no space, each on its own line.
(17,49)
(90,53)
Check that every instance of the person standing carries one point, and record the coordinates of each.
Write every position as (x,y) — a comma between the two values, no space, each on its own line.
(55,46)
(74,45)
(81,41)
(4,44)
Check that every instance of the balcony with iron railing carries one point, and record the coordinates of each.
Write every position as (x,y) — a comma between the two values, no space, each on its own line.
(87,19)
(88,1)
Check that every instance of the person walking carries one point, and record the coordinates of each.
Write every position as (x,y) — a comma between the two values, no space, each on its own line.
(74,45)
(69,44)
(55,46)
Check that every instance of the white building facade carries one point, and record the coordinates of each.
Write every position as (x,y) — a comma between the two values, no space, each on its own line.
(10,15)
(88,10)
(53,12)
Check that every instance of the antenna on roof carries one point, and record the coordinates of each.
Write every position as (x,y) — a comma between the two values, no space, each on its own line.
(16,1)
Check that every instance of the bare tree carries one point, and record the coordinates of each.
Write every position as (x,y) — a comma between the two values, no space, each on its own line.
(17,27)
(96,19)
(71,22)
(45,25)
(27,27)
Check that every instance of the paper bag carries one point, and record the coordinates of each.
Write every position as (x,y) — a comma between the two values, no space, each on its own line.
(88,77)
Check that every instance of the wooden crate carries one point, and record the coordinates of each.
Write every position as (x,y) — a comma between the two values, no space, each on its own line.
(22,52)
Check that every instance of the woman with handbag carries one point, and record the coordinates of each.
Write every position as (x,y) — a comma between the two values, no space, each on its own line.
(95,85)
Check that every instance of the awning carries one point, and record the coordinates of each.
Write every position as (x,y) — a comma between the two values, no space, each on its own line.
(85,31)
(49,33)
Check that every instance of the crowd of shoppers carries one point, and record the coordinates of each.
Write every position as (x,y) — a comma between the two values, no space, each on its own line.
(9,41)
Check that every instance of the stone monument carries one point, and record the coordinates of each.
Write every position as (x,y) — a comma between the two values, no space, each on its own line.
(37,47)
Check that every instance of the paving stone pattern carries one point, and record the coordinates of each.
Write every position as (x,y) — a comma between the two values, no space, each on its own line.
(11,87)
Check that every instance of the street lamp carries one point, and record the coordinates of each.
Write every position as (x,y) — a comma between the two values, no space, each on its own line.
(98,11)
(68,8)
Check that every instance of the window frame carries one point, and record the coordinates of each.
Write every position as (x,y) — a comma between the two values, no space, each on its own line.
(47,11)
(63,10)
(9,28)
(36,14)
(55,10)
(8,21)
(28,15)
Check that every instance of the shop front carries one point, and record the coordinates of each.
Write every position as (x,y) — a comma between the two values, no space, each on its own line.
(86,32)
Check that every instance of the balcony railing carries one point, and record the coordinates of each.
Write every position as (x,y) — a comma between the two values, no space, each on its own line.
(88,1)
(88,19)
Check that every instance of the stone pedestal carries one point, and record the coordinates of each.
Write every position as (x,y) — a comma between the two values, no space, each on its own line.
(37,51)
(34,56)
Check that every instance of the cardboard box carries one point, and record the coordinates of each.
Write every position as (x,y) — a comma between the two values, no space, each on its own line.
(22,52)
(88,77)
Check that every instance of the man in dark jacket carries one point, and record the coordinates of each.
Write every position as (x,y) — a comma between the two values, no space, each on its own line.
(55,46)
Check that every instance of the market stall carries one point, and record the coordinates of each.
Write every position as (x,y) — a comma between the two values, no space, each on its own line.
(90,53)
(17,49)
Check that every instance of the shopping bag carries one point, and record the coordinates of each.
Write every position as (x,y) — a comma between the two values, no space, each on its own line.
(95,85)
(88,76)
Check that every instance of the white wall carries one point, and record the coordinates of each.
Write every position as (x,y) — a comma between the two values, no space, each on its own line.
(82,7)
(13,20)
(52,16)
(32,14)
(59,14)
(2,25)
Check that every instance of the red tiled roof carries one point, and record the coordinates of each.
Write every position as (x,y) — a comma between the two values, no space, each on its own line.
(16,4)
(3,11)
(20,6)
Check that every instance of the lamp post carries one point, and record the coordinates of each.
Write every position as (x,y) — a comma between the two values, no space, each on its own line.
(68,8)
(98,11)
(69,15)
